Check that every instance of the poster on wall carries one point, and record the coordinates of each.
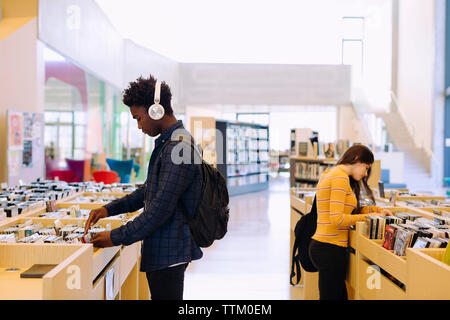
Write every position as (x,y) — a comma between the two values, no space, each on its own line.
(28,125)
(37,131)
(27,161)
(15,131)
(25,150)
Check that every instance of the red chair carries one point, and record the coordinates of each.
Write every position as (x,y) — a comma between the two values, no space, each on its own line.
(63,175)
(107,177)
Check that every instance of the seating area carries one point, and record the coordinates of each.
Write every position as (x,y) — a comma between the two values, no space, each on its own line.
(106,176)
(123,168)
(73,171)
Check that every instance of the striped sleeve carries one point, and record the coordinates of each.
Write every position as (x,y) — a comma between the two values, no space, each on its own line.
(339,187)
(370,209)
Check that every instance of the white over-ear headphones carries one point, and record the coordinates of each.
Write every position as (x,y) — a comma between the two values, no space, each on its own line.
(156,111)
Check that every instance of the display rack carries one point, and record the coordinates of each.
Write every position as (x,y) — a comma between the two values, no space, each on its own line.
(375,272)
(245,156)
(103,273)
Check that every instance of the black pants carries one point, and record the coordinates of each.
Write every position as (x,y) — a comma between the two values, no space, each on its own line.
(167,284)
(332,262)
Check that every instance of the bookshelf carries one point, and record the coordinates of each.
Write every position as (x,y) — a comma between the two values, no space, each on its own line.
(245,156)
(306,171)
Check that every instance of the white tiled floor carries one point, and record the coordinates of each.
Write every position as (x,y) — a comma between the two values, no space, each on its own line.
(252,260)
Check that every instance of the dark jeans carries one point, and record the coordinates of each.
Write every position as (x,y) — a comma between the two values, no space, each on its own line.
(167,284)
(331,261)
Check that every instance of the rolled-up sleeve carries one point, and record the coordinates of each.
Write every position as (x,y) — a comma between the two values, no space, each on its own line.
(173,180)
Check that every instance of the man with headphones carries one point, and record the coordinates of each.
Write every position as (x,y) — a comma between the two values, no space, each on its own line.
(169,196)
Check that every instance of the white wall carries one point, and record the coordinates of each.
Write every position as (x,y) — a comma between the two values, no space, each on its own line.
(394,161)
(350,127)
(416,58)
(204,84)
(22,88)
(377,56)
(140,61)
(80,31)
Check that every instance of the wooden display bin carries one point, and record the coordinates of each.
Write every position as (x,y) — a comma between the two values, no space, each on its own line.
(70,279)
(101,256)
(125,279)
(37,211)
(429,277)
(422,271)
(380,289)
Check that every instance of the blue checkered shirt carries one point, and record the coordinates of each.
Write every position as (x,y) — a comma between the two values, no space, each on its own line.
(170,192)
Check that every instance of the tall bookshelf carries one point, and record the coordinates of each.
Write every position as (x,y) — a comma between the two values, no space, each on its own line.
(245,156)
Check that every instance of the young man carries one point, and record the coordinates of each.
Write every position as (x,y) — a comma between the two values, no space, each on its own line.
(169,196)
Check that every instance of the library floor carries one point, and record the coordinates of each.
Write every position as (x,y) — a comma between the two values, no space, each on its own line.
(252,260)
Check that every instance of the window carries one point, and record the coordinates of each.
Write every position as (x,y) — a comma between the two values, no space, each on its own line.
(64,131)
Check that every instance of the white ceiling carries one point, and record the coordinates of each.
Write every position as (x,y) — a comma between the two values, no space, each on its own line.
(240,31)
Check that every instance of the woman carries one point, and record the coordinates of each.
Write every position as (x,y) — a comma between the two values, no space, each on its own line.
(338,208)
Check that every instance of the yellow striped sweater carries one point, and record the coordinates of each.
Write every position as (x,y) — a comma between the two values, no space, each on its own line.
(335,203)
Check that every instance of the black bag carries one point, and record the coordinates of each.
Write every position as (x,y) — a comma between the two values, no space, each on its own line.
(211,216)
(304,230)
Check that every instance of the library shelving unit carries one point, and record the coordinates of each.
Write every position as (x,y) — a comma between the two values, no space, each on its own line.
(306,171)
(245,156)
(82,271)
(374,272)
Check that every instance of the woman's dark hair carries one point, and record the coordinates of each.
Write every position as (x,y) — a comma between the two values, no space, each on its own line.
(142,92)
(362,154)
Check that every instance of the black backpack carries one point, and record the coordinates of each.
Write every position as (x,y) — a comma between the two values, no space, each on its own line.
(211,216)
(304,230)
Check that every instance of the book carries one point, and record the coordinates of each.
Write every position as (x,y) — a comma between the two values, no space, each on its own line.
(381,189)
(421,243)
(374,227)
(381,227)
(371,227)
(37,270)
(50,205)
(402,240)
(389,237)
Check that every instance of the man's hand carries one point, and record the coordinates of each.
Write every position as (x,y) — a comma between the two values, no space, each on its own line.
(102,240)
(94,216)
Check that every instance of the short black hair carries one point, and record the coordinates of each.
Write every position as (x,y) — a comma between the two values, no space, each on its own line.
(142,91)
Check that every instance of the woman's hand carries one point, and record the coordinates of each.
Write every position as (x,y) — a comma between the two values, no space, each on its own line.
(385,212)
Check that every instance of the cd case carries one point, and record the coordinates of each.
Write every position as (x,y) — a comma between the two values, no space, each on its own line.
(37,270)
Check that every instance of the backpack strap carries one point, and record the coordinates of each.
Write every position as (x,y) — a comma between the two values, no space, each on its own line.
(295,264)
(185,139)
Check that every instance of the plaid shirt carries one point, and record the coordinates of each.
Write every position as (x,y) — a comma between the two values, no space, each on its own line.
(170,192)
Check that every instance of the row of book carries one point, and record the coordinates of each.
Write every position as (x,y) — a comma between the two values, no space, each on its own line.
(307,170)
(18,199)
(408,230)
(29,232)
(428,203)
